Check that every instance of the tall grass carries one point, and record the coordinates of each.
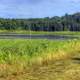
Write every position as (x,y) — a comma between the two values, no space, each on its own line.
(38,59)
(36,51)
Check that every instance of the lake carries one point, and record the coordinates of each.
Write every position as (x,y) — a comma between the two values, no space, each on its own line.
(27,36)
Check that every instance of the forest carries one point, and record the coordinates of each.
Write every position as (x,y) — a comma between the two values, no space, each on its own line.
(68,22)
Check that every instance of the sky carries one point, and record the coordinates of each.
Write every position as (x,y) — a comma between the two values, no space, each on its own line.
(37,8)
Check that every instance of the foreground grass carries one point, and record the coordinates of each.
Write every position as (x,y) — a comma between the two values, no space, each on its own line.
(39,60)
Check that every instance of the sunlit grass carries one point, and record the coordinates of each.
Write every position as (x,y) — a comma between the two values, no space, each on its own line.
(36,50)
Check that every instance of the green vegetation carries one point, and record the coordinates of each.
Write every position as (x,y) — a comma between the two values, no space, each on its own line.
(30,50)
(39,59)
(64,23)
(72,33)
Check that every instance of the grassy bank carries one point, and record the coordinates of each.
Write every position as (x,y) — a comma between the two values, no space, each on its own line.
(39,60)
(40,32)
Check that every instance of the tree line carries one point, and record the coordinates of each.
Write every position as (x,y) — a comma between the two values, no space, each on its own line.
(56,23)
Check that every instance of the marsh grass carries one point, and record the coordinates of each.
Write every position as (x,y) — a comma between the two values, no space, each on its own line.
(30,51)
(38,59)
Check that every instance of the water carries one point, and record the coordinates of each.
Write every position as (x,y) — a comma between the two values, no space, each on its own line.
(24,36)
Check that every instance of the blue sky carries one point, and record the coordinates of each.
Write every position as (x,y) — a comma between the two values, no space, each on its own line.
(37,8)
